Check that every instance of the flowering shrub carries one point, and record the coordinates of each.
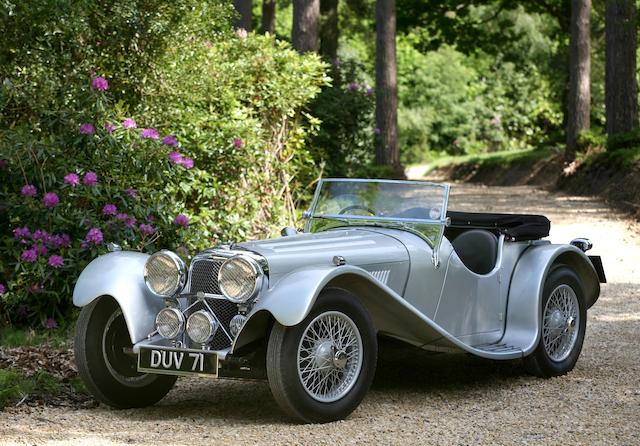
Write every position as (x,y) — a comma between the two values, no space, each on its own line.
(213,153)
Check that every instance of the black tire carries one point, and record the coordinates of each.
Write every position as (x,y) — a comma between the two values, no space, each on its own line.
(108,372)
(282,361)
(540,363)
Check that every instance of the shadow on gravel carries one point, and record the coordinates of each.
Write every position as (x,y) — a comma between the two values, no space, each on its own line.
(404,367)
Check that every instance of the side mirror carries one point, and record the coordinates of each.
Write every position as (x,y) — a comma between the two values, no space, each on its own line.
(287,231)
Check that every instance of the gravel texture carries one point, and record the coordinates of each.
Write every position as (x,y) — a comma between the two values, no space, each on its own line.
(419,397)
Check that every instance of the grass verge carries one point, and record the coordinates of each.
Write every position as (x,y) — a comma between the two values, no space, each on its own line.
(492,159)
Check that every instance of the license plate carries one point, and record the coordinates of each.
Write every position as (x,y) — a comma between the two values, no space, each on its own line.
(172,361)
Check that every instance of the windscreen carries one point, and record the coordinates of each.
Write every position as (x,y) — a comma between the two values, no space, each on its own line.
(413,205)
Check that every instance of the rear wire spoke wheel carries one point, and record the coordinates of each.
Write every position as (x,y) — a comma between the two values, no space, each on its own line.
(563,325)
(320,370)
(105,360)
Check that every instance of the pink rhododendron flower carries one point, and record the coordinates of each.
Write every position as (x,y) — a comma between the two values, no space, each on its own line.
(21,233)
(109,127)
(90,179)
(187,163)
(369,91)
(40,235)
(242,33)
(3,289)
(129,222)
(60,240)
(146,229)
(121,216)
(237,143)
(28,190)
(94,235)
(99,83)
(55,261)
(181,220)
(150,133)
(109,209)
(175,157)
(129,123)
(50,200)
(41,250)
(29,255)
(376,131)
(170,140)
(72,179)
(87,129)
(353,86)
(132,192)
(50,323)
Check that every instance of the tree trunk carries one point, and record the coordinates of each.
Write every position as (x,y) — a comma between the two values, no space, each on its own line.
(621,89)
(245,9)
(329,31)
(269,16)
(387,151)
(579,100)
(306,25)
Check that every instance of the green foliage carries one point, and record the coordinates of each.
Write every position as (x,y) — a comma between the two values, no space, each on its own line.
(345,140)
(14,385)
(57,339)
(234,103)
(461,105)
(629,140)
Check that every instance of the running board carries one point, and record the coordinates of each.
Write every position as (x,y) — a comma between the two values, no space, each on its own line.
(498,350)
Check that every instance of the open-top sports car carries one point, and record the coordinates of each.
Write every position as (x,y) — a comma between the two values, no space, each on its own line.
(305,310)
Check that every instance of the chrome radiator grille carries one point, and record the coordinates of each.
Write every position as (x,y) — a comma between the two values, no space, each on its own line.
(223,310)
(204,276)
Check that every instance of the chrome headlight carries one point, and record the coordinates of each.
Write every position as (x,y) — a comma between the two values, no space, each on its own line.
(170,323)
(201,327)
(165,273)
(239,278)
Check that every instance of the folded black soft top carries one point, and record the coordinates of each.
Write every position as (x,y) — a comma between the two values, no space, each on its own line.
(518,226)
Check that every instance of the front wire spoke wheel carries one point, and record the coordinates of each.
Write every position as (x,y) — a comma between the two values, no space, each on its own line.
(329,356)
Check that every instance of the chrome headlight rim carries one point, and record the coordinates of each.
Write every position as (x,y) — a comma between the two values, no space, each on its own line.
(181,323)
(180,266)
(257,272)
(212,324)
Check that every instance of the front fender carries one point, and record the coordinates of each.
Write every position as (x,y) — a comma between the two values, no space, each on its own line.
(120,275)
(524,311)
(290,300)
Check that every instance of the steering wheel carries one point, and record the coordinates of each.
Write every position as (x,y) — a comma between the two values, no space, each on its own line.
(357,206)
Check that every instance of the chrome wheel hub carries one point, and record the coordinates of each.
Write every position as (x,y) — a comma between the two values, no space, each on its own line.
(329,356)
(560,323)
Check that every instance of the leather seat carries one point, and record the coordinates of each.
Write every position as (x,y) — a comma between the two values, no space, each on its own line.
(478,250)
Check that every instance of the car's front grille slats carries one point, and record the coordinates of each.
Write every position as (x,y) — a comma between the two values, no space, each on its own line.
(204,276)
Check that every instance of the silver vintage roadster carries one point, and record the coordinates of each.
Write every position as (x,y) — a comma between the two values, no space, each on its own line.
(305,310)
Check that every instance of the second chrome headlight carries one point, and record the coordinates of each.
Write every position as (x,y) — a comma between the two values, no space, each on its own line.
(239,278)
(165,273)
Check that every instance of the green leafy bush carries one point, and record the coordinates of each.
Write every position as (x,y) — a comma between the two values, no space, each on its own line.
(218,152)
(345,140)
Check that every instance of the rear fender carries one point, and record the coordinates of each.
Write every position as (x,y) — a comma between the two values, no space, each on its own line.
(524,310)
(120,275)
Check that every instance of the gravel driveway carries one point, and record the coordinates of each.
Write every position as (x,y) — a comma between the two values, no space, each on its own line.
(419,397)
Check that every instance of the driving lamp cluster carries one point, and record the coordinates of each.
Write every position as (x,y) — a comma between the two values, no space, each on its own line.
(239,278)
(201,326)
